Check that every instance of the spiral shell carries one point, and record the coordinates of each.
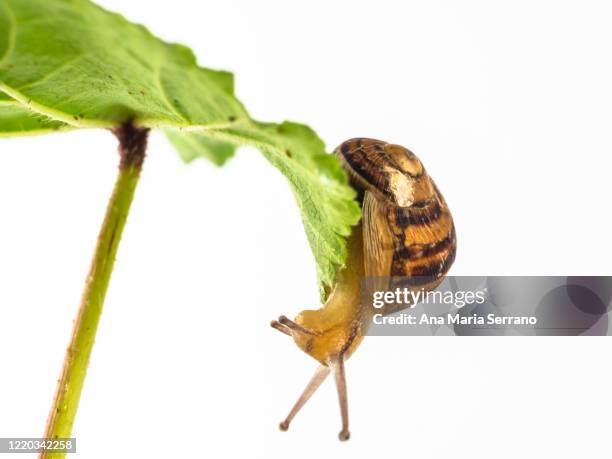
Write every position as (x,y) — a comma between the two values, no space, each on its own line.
(408,228)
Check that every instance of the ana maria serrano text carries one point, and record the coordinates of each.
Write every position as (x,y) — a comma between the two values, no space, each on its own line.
(409,298)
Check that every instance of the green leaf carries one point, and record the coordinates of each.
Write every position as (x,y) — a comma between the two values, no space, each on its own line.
(193,145)
(17,120)
(318,181)
(68,64)
(77,63)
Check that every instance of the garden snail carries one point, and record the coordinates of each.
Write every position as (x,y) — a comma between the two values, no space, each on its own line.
(406,232)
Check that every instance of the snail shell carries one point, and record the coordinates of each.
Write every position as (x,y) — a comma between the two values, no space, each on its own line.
(408,230)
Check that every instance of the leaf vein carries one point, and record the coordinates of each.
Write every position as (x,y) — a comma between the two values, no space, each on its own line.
(12,33)
(50,74)
(162,90)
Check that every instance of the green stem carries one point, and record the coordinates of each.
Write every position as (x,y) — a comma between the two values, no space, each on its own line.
(132,145)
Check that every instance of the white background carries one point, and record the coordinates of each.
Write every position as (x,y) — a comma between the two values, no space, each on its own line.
(508,104)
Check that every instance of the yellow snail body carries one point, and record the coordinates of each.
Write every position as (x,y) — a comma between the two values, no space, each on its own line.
(406,232)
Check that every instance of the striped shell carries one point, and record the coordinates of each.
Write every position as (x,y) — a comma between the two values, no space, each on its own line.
(408,230)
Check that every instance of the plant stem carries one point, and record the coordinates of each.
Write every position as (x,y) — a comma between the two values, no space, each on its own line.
(132,146)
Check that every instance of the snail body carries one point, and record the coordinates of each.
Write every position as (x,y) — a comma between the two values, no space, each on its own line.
(406,236)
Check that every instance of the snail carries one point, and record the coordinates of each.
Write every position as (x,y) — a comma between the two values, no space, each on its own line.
(406,235)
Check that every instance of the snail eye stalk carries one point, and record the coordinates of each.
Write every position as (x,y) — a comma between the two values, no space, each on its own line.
(310,389)
(295,326)
(335,364)
(280,327)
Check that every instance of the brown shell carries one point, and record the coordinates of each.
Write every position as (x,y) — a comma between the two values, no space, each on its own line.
(408,230)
